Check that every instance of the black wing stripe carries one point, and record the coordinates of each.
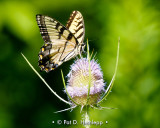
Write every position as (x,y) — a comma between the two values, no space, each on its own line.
(80,35)
(79,23)
(69,36)
(68,55)
(80,27)
(63,50)
(57,25)
(72,16)
(42,26)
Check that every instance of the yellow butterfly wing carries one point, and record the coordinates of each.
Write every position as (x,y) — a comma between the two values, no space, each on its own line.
(60,43)
(76,26)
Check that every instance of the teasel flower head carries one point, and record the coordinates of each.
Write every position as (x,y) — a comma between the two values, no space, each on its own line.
(85,85)
(85,79)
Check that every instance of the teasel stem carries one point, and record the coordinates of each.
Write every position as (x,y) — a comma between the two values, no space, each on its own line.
(45,81)
(89,68)
(108,90)
(86,116)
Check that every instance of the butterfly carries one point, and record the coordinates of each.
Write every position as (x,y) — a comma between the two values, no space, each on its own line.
(62,43)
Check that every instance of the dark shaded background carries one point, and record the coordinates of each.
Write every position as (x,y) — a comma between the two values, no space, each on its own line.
(26,102)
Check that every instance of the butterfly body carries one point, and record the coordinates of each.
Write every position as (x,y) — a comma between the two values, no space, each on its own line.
(61,43)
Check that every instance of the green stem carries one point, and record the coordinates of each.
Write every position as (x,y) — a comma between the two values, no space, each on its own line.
(108,90)
(45,81)
(86,117)
(89,83)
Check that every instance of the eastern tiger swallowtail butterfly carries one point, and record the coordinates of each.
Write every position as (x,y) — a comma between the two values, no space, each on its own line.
(61,43)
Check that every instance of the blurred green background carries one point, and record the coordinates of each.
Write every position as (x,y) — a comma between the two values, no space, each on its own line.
(26,102)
